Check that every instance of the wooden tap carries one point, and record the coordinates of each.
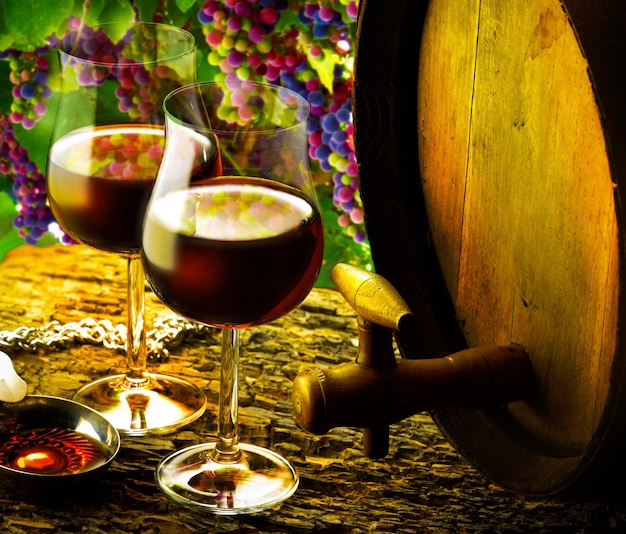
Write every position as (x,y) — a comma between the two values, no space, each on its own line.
(377,389)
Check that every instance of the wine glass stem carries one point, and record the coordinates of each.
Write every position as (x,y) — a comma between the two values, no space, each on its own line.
(135,329)
(227,448)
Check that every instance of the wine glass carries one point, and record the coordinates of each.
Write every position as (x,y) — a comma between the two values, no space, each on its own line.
(232,238)
(107,144)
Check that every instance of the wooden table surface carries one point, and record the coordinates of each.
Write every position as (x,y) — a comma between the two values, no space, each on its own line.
(423,485)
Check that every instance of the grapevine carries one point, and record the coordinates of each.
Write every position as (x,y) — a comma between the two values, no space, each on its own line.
(244,46)
(29,76)
(305,46)
(29,187)
(325,29)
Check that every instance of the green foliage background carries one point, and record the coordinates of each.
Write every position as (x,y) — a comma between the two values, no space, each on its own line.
(25,25)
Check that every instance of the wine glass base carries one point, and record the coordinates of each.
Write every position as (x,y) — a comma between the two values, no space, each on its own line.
(259,481)
(159,405)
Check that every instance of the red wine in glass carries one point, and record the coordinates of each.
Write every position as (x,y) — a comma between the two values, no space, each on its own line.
(99,183)
(236,251)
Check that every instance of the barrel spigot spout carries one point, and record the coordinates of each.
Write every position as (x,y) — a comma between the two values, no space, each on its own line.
(377,389)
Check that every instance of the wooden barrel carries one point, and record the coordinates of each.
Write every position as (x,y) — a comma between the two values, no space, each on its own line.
(491,136)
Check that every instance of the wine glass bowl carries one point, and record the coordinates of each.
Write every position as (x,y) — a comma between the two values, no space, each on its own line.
(232,238)
(106,210)
(107,145)
(206,275)
(107,140)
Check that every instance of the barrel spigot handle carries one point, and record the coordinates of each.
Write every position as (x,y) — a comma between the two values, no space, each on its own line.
(377,389)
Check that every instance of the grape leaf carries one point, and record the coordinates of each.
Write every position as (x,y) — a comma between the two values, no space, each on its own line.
(25,24)
(185,5)
(6,183)
(324,65)
(9,238)
(175,16)
(7,213)
(101,11)
(287,20)
(9,241)
(205,71)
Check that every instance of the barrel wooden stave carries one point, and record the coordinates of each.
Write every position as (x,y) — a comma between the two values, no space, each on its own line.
(385,120)
(511,120)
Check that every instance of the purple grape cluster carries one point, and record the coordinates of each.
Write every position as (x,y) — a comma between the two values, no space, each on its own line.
(142,84)
(331,144)
(29,187)
(331,130)
(327,23)
(29,76)
(140,90)
(240,35)
(244,47)
(93,49)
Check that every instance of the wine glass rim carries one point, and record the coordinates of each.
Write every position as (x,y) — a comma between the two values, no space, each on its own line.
(191,40)
(303,104)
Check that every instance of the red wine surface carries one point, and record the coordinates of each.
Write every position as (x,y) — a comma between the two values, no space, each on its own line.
(99,182)
(234,251)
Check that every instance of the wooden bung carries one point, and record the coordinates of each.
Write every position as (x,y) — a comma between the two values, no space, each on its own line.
(490,136)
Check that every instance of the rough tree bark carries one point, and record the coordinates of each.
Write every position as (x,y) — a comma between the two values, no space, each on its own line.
(422,486)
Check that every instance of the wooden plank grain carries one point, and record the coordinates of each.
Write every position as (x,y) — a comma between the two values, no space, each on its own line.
(445,98)
(523,216)
(540,230)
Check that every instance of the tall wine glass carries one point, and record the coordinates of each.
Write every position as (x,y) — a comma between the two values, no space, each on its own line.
(232,238)
(106,148)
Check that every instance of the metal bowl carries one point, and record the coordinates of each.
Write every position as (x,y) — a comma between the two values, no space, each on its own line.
(49,443)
